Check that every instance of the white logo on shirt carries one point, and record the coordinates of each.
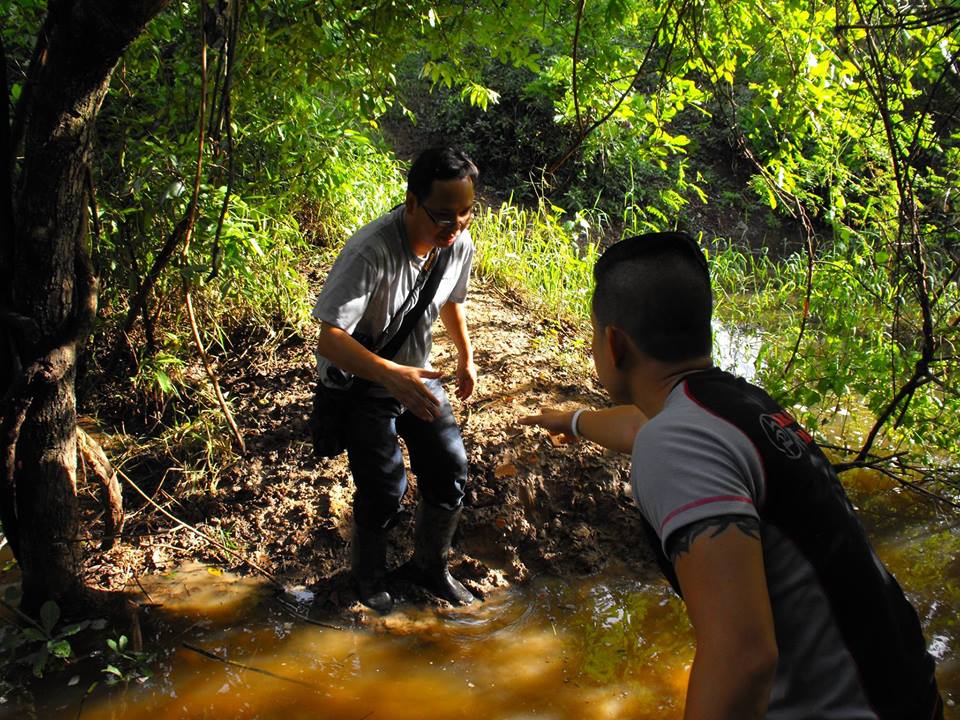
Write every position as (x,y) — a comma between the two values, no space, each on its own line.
(782,437)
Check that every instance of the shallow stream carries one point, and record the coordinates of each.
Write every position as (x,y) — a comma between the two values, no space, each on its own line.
(606,646)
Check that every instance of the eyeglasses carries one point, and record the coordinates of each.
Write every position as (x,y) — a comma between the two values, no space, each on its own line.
(448,223)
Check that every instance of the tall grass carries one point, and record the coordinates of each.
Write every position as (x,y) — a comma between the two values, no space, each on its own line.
(847,360)
(537,252)
(358,183)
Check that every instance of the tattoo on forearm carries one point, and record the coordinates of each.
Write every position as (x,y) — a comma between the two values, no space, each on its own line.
(680,541)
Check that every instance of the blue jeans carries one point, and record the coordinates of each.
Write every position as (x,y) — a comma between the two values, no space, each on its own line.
(437,457)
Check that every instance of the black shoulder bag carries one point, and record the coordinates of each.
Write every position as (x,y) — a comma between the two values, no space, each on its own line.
(330,406)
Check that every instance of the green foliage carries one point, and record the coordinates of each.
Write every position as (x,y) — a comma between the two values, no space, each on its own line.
(124,665)
(511,141)
(360,182)
(836,117)
(45,647)
(621,632)
(844,359)
(541,252)
(41,645)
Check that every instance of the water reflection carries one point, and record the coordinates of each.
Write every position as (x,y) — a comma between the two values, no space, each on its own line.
(592,648)
(736,349)
(601,647)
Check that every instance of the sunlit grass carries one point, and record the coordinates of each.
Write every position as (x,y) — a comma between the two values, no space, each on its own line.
(358,184)
(538,252)
(847,358)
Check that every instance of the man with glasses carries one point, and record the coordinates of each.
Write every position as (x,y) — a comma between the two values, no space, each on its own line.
(373,282)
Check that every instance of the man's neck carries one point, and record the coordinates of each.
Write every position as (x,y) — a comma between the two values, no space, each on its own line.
(653,381)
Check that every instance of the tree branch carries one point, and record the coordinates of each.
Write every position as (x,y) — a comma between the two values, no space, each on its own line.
(557,164)
(576,42)
(221,401)
(805,315)
(111,499)
(226,104)
(159,264)
(907,225)
(6,182)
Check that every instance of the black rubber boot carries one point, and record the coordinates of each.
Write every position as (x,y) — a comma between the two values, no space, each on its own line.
(432,538)
(368,554)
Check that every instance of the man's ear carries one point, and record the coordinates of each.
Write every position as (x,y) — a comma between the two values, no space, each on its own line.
(411,202)
(618,345)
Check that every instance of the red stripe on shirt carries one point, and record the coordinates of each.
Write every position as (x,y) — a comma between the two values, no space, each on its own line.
(763,466)
(704,501)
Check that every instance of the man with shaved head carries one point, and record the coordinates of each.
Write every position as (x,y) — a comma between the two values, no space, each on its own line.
(795,616)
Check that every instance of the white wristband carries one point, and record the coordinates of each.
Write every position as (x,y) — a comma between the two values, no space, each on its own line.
(573,422)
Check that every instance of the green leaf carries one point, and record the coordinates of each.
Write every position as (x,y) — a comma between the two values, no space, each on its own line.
(255,245)
(34,635)
(71,630)
(174,190)
(112,670)
(165,383)
(49,614)
(59,648)
(771,197)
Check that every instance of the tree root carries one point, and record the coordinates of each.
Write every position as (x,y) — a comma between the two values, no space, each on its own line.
(111,498)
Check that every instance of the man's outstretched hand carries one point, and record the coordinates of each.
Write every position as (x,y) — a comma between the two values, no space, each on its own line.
(615,427)
(555,422)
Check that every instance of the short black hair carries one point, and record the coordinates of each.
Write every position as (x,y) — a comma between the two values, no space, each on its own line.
(656,288)
(439,163)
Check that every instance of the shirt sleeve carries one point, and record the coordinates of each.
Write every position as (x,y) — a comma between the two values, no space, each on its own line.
(459,292)
(347,290)
(682,474)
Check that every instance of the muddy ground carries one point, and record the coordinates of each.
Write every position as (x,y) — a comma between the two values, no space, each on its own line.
(532,506)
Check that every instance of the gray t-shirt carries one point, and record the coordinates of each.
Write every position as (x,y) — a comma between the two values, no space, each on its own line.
(688,465)
(371,279)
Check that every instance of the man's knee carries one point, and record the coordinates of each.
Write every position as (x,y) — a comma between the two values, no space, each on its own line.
(443,481)
(376,512)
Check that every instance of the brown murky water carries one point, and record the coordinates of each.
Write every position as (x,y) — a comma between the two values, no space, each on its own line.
(598,647)
(603,648)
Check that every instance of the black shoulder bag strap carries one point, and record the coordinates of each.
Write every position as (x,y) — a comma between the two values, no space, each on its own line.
(427,293)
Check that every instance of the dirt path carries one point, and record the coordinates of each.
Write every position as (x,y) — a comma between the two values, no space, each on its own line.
(531,507)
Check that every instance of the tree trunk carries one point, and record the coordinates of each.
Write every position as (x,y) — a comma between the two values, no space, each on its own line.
(84,41)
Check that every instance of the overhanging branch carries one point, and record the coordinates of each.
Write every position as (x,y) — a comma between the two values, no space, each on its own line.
(641,69)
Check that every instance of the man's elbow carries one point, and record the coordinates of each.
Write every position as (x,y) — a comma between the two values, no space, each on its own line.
(753,659)
(754,666)
(759,662)
(326,340)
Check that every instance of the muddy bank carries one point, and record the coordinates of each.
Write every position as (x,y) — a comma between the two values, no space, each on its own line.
(531,508)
